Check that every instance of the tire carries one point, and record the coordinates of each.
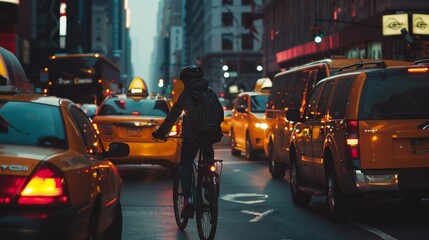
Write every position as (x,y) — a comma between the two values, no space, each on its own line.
(207,207)
(339,204)
(178,201)
(251,154)
(115,229)
(298,198)
(277,169)
(234,151)
(93,221)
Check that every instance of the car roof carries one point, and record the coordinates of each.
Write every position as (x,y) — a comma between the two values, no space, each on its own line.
(254,93)
(32,97)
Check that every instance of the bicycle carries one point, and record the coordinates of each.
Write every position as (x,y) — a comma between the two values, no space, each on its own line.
(205,192)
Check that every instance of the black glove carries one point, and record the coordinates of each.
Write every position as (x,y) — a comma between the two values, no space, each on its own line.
(156,135)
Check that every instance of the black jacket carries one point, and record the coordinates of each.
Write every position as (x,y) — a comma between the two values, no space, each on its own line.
(186,102)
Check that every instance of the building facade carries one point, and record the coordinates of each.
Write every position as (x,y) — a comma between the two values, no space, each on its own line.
(351,29)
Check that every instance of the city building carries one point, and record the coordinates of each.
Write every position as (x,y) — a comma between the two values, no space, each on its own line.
(351,29)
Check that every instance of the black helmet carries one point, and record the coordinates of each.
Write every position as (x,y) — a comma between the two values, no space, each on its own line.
(190,72)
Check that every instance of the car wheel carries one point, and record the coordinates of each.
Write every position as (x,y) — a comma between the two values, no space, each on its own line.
(299,198)
(234,151)
(277,169)
(251,154)
(339,205)
(114,232)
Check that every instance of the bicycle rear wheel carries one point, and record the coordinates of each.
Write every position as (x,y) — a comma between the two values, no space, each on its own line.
(178,201)
(207,210)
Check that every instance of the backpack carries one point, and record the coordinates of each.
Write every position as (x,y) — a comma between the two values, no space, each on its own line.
(207,118)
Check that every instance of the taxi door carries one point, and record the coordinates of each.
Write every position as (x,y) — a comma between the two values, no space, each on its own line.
(240,120)
(305,133)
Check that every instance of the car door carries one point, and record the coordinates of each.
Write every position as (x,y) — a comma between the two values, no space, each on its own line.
(105,174)
(318,134)
(242,108)
(304,134)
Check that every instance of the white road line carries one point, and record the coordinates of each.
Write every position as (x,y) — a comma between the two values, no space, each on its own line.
(259,215)
(373,230)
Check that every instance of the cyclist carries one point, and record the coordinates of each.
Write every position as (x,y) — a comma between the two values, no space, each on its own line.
(195,86)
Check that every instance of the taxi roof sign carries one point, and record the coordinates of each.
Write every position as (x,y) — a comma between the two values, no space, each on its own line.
(263,84)
(138,87)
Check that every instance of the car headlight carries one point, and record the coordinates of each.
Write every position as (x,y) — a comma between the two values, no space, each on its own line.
(262,126)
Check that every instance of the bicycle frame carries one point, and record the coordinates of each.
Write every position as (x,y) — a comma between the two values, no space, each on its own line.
(205,192)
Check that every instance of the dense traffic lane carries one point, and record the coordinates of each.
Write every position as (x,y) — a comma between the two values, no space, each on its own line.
(253,206)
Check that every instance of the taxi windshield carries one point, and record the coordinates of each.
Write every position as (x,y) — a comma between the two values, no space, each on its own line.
(130,106)
(31,124)
(399,97)
(258,103)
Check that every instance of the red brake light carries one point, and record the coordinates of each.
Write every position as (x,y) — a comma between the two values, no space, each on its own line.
(46,186)
(9,187)
(352,141)
(418,70)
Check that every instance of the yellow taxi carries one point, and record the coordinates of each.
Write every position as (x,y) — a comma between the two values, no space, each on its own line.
(248,123)
(55,180)
(364,134)
(226,124)
(131,118)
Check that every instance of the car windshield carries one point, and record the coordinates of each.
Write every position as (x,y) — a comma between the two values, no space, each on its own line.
(398,97)
(258,103)
(130,106)
(31,124)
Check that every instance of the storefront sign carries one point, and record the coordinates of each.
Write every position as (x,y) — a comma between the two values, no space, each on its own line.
(394,23)
(420,24)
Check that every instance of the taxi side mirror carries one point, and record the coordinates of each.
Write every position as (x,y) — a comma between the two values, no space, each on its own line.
(117,149)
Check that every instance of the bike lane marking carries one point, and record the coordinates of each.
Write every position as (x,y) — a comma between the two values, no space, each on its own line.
(258,215)
(254,199)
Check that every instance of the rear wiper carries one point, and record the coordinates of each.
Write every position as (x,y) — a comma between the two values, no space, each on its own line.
(4,127)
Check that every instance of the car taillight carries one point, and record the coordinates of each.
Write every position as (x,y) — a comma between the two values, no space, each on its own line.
(175,130)
(418,70)
(46,186)
(9,187)
(352,144)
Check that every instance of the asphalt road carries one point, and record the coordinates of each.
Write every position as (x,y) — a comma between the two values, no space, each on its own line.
(254,206)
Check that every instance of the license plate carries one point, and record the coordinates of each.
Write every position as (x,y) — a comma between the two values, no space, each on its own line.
(134,132)
(420,146)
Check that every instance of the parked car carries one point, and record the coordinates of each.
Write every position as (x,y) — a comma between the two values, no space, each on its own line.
(248,124)
(290,90)
(56,180)
(364,133)
(131,118)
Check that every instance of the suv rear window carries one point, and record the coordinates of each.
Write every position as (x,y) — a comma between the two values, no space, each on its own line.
(398,97)
(129,106)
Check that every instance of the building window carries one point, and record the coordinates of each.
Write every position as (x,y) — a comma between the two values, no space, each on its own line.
(227,19)
(246,19)
(247,41)
(227,2)
(246,2)
(227,40)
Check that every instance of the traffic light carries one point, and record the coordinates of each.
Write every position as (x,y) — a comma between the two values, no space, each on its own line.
(316,34)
